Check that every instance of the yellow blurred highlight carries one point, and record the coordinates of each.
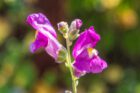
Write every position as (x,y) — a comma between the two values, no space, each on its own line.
(3,80)
(128,18)
(7,69)
(114,74)
(6,72)
(20,81)
(29,38)
(81,89)
(98,87)
(137,88)
(10,1)
(41,87)
(109,4)
(5,29)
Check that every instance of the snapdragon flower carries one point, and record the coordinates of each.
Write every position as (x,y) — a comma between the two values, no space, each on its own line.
(86,58)
(45,37)
(85,55)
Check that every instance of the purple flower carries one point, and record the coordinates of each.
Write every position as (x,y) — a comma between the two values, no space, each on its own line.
(86,57)
(88,38)
(45,35)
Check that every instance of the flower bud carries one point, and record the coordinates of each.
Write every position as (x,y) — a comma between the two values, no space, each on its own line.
(63,27)
(73,35)
(76,25)
(74,29)
(62,54)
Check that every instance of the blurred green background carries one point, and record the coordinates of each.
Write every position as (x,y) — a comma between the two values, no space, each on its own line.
(117,21)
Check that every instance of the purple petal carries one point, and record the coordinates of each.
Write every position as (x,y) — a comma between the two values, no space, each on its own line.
(78,73)
(47,41)
(88,38)
(97,65)
(82,62)
(41,41)
(86,64)
(53,45)
(41,23)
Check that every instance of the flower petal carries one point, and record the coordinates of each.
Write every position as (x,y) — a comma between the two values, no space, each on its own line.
(53,45)
(97,65)
(78,73)
(41,41)
(40,23)
(82,62)
(86,64)
(88,38)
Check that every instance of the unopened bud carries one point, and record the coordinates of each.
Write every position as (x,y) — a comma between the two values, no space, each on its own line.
(62,54)
(63,27)
(76,24)
(74,29)
(73,35)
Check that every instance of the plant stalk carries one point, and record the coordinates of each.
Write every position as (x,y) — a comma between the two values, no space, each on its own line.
(74,85)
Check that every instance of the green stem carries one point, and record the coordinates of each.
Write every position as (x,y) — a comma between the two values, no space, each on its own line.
(74,86)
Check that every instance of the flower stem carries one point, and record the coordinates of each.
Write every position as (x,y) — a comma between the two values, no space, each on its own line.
(74,85)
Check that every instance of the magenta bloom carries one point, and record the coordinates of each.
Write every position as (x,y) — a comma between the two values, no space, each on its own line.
(86,57)
(88,38)
(45,35)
